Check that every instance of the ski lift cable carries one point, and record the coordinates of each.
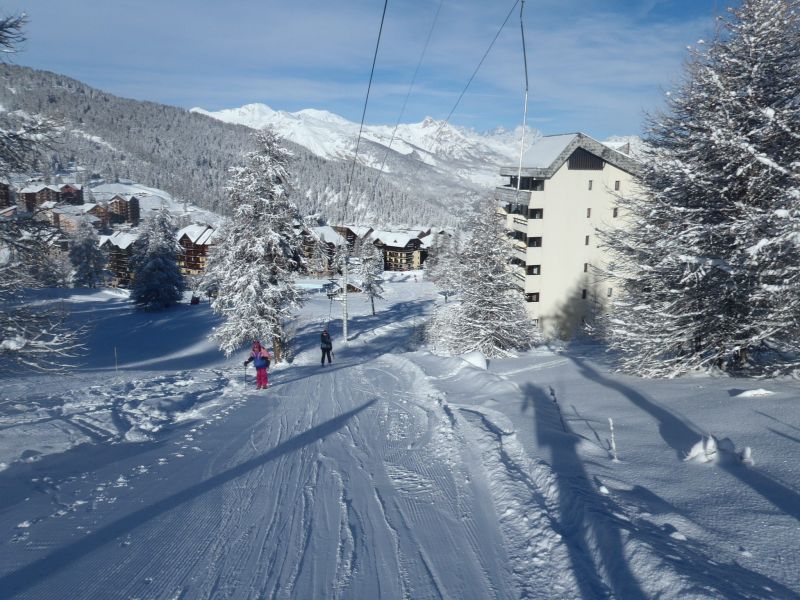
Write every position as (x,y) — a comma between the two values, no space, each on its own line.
(353,168)
(525,110)
(474,73)
(408,95)
(364,111)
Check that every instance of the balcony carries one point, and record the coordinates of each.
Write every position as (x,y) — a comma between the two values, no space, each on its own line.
(519,224)
(509,194)
(520,250)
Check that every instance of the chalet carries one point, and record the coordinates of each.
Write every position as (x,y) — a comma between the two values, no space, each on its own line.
(554,205)
(119,248)
(123,208)
(5,193)
(68,220)
(402,251)
(34,195)
(67,216)
(195,241)
(70,193)
(352,233)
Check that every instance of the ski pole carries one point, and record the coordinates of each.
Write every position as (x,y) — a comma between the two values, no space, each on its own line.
(245,373)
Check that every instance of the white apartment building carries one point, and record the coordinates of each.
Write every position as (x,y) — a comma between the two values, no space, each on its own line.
(567,191)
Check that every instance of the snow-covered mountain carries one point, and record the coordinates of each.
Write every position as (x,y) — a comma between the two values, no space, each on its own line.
(429,145)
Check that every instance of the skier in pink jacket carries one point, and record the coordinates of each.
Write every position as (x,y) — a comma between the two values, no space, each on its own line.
(259,356)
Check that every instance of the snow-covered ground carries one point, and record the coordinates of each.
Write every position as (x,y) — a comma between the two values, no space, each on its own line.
(156,471)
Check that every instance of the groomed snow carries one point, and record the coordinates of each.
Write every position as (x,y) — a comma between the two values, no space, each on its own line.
(156,471)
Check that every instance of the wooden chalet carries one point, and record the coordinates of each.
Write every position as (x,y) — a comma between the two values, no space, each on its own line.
(119,248)
(67,216)
(124,209)
(195,241)
(70,193)
(352,233)
(402,251)
(34,195)
(5,194)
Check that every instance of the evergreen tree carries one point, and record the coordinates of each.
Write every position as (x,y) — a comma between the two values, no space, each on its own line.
(157,279)
(32,335)
(255,260)
(709,260)
(443,265)
(371,271)
(87,259)
(490,316)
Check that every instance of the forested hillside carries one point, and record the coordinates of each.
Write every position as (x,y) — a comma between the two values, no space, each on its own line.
(188,155)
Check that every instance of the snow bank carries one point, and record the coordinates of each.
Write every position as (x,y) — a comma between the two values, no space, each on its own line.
(476,359)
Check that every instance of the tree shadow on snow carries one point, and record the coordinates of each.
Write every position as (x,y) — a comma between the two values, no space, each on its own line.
(593,526)
(38,571)
(682,435)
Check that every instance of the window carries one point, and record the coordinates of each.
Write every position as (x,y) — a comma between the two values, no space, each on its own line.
(588,213)
(585,267)
(535,322)
(536,213)
(535,242)
(586,243)
(532,297)
(590,184)
(616,186)
(615,213)
(534,269)
(583,294)
(610,291)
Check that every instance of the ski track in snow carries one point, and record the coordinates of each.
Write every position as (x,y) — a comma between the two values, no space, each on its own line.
(357,480)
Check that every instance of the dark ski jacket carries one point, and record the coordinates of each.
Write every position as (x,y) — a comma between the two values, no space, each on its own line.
(325,341)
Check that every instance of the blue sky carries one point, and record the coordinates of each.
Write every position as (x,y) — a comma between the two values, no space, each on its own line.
(594,65)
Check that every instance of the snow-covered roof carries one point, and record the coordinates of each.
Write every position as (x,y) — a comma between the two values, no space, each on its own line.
(76,186)
(72,216)
(68,209)
(546,150)
(48,205)
(359,231)
(198,234)
(35,188)
(398,239)
(329,235)
(120,239)
(549,153)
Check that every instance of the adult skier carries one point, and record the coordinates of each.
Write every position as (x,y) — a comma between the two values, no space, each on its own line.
(259,356)
(326,345)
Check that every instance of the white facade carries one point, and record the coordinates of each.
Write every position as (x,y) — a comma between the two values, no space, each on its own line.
(573,182)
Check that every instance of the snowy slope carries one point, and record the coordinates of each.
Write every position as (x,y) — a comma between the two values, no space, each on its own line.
(443,147)
(392,473)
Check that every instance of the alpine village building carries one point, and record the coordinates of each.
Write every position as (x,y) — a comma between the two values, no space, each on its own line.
(568,186)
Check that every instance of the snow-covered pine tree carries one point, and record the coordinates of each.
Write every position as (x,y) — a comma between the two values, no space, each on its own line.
(87,259)
(490,316)
(443,265)
(32,335)
(254,262)
(370,271)
(157,279)
(709,259)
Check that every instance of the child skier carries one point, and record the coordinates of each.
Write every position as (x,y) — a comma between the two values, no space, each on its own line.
(260,358)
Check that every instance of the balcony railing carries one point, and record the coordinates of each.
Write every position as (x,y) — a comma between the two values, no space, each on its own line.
(511,195)
(520,220)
